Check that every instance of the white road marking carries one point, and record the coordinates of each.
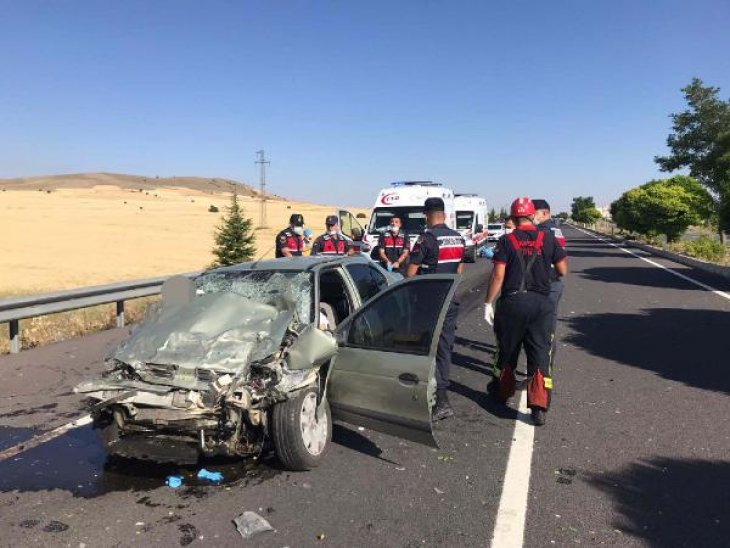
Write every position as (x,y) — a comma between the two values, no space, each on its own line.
(43,438)
(654,263)
(509,529)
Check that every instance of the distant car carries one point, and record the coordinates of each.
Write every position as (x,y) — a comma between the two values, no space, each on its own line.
(495,231)
(266,353)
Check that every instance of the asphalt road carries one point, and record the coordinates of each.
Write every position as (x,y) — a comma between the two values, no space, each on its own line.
(635,453)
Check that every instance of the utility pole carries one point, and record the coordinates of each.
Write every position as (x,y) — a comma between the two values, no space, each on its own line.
(262,161)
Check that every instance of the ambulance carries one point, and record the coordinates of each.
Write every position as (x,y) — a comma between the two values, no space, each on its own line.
(405,199)
(471,222)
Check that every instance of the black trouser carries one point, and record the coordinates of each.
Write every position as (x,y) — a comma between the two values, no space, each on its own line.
(556,292)
(524,319)
(446,345)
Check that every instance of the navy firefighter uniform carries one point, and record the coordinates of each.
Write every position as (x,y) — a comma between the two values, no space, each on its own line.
(440,250)
(556,282)
(524,312)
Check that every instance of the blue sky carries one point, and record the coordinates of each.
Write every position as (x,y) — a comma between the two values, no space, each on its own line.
(546,99)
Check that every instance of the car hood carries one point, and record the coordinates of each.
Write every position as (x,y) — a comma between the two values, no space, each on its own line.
(221,331)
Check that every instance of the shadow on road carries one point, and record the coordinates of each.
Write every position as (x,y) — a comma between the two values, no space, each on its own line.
(689,346)
(671,502)
(482,346)
(637,275)
(346,437)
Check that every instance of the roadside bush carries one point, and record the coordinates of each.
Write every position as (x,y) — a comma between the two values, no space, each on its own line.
(213,209)
(704,248)
(361,216)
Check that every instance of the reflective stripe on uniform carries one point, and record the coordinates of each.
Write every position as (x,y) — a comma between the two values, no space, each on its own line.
(548,382)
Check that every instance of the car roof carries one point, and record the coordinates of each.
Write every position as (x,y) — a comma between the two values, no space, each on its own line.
(294,264)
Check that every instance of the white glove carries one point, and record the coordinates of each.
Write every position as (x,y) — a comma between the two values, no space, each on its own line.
(489,314)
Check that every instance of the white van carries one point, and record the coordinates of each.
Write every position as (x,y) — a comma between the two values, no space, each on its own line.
(471,222)
(406,200)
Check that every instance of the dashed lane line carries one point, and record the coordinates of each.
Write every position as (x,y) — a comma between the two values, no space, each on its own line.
(509,529)
(654,263)
(43,438)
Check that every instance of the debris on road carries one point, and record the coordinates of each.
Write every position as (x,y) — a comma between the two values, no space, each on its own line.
(438,491)
(250,524)
(213,477)
(174,482)
(320,536)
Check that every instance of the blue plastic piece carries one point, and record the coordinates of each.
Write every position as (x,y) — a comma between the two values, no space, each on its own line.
(487,252)
(213,477)
(390,267)
(174,481)
(307,232)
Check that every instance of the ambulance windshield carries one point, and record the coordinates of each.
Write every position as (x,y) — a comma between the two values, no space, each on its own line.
(412,219)
(464,220)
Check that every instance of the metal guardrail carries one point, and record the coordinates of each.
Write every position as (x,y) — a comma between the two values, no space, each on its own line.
(20,308)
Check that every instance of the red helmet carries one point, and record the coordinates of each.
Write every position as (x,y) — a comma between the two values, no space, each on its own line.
(522,207)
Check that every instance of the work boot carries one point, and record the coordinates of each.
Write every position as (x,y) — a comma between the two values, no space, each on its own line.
(442,409)
(539,416)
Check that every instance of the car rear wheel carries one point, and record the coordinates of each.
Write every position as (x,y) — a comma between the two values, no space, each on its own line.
(301,439)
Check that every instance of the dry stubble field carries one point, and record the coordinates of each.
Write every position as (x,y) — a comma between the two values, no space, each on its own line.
(102,233)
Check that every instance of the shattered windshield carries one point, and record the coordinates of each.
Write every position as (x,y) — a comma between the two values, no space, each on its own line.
(237,317)
(279,289)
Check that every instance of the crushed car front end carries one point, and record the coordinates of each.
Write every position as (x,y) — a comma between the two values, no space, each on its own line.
(202,377)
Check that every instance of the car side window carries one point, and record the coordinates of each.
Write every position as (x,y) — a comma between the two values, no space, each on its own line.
(402,320)
(346,224)
(367,284)
(378,278)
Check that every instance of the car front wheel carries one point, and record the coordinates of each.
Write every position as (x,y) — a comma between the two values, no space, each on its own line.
(301,439)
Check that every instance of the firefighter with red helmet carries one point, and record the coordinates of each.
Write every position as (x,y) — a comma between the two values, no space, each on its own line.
(333,242)
(440,250)
(290,241)
(521,278)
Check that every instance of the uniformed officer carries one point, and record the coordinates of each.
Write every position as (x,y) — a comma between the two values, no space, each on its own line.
(521,272)
(393,246)
(440,250)
(544,221)
(333,242)
(290,241)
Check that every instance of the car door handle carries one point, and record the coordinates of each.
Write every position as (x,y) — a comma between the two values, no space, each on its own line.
(408,379)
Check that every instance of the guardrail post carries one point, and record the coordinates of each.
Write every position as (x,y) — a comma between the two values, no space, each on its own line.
(120,313)
(14,326)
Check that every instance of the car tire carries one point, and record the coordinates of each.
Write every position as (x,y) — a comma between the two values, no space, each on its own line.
(300,440)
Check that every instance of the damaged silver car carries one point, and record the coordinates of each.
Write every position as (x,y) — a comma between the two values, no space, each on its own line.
(265,353)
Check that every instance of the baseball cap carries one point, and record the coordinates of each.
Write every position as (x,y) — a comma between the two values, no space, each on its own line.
(296,219)
(541,204)
(331,220)
(433,204)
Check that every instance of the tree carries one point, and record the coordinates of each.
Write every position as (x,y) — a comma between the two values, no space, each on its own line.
(234,238)
(503,214)
(700,141)
(664,206)
(583,210)
(492,215)
(563,215)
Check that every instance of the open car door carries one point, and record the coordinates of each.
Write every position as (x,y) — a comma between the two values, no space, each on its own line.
(351,227)
(383,374)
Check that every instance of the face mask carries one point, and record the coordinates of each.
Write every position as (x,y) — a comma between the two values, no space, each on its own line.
(298,230)
(333,232)
(395,229)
